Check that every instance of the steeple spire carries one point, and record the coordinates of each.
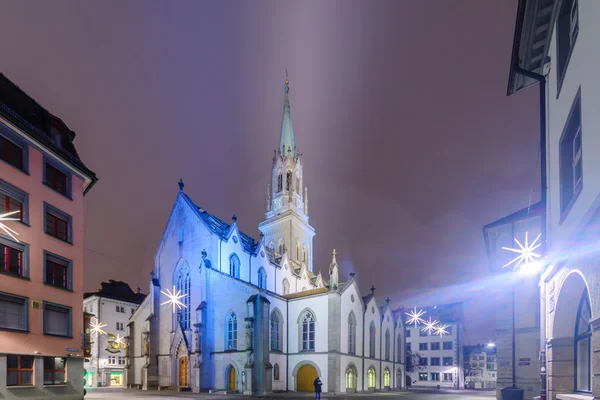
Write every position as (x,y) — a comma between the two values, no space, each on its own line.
(287,145)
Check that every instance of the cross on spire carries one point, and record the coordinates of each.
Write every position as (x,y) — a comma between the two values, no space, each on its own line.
(372,289)
(181,185)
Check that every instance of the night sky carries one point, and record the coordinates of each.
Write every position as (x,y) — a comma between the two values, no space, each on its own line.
(399,107)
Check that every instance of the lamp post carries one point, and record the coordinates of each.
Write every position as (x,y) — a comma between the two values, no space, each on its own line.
(525,261)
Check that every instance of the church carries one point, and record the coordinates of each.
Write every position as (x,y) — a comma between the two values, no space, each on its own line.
(252,316)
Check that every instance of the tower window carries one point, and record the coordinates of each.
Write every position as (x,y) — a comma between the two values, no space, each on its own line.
(279,182)
(288,181)
(571,162)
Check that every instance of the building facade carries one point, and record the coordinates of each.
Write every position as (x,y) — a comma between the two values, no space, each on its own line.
(434,359)
(111,306)
(255,318)
(42,184)
(481,367)
(555,51)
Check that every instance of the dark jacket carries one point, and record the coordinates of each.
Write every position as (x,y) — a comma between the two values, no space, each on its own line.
(317,384)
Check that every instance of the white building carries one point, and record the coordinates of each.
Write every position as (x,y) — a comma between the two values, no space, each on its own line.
(481,367)
(437,359)
(111,306)
(256,318)
(556,48)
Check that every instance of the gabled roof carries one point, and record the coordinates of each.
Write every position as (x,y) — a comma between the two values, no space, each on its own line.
(533,30)
(117,290)
(221,228)
(30,117)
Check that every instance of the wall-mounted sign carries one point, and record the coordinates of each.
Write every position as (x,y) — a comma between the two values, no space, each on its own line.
(524,361)
(71,350)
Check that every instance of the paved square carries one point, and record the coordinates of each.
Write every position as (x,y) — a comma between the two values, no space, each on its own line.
(110,393)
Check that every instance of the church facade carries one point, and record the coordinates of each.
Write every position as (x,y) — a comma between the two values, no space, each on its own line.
(255,318)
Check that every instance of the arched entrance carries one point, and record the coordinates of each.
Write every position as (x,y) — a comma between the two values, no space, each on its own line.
(305,378)
(184,372)
(399,379)
(231,378)
(571,334)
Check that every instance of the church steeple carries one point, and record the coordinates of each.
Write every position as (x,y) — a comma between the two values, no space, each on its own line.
(287,145)
(286,225)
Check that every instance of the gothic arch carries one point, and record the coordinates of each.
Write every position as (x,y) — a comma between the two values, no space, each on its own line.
(285,286)
(302,363)
(234,265)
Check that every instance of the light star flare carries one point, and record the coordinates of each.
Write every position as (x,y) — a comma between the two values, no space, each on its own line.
(96,327)
(415,317)
(441,330)
(10,232)
(174,299)
(429,326)
(526,253)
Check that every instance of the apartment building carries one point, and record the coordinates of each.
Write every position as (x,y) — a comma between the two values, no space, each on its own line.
(435,358)
(481,367)
(42,184)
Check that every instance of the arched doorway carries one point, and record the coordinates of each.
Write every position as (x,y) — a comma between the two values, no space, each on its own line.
(183,372)
(305,378)
(231,378)
(399,379)
(350,378)
(571,333)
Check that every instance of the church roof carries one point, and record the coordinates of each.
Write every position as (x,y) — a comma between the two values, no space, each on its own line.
(222,228)
(306,293)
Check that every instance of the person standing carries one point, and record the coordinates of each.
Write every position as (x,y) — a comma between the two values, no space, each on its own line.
(318,385)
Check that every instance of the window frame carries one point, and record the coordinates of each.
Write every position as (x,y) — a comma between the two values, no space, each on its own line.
(437,360)
(423,375)
(262,278)
(24,249)
(19,370)
(48,161)
(561,70)
(567,204)
(444,359)
(231,332)
(437,346)
(276,334)
(451,347)
(19,195)
(372,338)
(580,337)
(53,371)
(308,326)
(69,275)
(434,375)
(69,310)
(351,333)
(25,306)
(58,214)
(423,346)
(183,284)
(18,141)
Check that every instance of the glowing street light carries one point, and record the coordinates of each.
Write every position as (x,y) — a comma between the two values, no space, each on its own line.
(526,254)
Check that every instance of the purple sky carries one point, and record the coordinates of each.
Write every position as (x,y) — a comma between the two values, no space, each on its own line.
(410,143)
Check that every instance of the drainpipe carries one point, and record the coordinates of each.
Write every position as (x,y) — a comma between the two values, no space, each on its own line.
(287,346)
(393,377)
(544,186)
(380,354)
(363,352)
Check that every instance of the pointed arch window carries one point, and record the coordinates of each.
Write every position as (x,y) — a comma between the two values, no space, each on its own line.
(351,333)
(305,254)
(281,247)
(298,251)
(288,181)
(262,278)
(350,377)
(234,266)
(399,349)
(371,378)
(372,340)
(279,182)
(308,331)
(387,345)
(386,378)
(298,187)
(286,287)
(583,334)
(231,332)
(276,372)
(183,286)
(276,331)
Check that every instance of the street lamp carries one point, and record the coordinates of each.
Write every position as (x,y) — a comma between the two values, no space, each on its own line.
(526,262)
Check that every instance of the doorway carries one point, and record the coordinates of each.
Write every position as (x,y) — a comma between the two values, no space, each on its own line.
(183,372)
(305,378)
(231,378)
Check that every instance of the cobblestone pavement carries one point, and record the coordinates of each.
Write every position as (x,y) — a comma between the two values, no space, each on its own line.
(113,393)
